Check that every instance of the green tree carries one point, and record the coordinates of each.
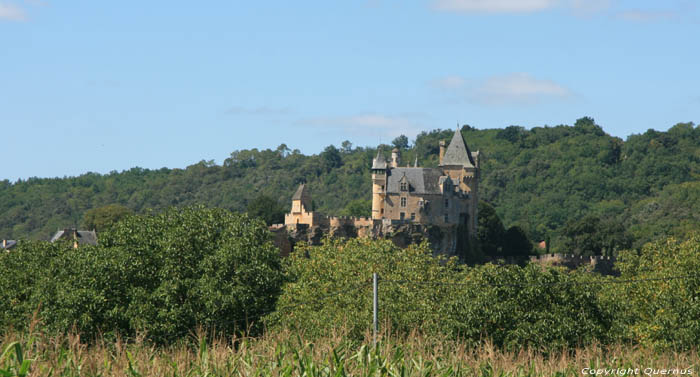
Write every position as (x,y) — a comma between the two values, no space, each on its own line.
(516,243)
(331,158)
(358,208)
(102,218)
(266,208)
(400,142)
(661,310)
(490,231)
(593,236)
(157,274)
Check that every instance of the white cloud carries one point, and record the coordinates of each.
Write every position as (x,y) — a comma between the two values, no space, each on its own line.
(518,88)
(450,82)
(11,12)
(371,124)
(588,7)
(515,88)
(493,5)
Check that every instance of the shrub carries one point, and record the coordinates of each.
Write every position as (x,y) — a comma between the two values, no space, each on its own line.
(511,305)
(162,274)
(662,312)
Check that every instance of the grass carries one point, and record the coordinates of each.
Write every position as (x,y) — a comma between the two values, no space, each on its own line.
(288,354)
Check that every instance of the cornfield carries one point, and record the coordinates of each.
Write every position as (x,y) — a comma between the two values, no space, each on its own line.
(284,353)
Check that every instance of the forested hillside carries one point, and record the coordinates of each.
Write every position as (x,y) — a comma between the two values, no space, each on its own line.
(547,180)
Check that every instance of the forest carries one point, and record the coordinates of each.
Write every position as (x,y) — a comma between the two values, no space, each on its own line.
(578,187)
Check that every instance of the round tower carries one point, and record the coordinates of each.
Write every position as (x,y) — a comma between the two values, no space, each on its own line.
(379,168)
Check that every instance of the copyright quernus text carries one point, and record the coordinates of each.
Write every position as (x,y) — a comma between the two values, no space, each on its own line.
(637,371)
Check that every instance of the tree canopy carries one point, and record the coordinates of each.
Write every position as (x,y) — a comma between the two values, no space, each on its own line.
(539,179)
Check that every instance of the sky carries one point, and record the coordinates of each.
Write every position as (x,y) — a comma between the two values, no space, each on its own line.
(99,86)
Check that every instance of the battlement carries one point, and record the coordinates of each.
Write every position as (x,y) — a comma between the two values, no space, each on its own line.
(600,263)
(570,257)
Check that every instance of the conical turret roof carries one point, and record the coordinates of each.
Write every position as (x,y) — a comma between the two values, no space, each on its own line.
(379,162)
(458,152)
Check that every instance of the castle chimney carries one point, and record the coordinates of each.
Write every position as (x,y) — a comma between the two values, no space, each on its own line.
(395,158)
(443,145)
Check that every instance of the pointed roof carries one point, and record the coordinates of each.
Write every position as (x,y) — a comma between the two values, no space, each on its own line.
(83,236)
(458,152)
(300,193)
(379,162)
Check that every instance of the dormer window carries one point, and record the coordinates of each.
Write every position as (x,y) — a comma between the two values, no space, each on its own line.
(404,186)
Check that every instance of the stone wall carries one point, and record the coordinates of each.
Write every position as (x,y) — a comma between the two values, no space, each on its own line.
(602,264)
(443,239)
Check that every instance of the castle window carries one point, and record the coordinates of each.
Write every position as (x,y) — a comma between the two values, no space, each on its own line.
(413,216)
(404,186)
(447,218)
(382,211)
(403,215)
(403,202)
(447,203)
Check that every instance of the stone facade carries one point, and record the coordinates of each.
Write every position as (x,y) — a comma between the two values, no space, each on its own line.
(408,204)
(446,195)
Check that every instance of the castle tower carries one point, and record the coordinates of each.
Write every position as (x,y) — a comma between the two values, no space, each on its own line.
(395,158)
(301,212)
(462,166)
(301,200)
(379,168)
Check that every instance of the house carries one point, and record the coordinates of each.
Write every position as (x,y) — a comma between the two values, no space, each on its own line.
(8,244)
(79,237)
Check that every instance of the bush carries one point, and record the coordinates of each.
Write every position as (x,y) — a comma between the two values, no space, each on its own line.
(662,312)
(309,303)
(513,306)
(529,306)
(162,274)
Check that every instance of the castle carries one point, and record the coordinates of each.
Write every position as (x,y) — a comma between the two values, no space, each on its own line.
(446,195)
(413,200)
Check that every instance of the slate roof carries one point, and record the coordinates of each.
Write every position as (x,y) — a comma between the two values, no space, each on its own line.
(8,244)
(458,152)
(421,180)
(379,162)
(301,192)
(84,236)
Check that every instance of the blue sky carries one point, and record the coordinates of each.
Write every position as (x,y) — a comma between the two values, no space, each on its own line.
(100,86)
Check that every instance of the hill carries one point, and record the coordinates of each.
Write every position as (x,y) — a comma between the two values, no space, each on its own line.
(541,179)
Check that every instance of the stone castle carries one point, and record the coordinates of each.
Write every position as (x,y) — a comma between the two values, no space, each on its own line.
(408,204)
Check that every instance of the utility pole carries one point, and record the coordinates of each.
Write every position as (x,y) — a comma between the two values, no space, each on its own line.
(375,326)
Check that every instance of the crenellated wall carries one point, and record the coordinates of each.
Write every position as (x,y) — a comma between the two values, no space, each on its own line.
(599,263)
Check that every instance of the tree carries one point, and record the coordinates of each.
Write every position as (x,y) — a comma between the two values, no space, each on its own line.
(156,274)
(593,236)
(661,312)
(266,208)
(358,208)
(490,231)
(516,243)
(330,158)
(400,142)
(347,146)
(102,218)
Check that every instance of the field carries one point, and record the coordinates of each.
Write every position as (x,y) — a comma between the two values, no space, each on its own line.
(289,354)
